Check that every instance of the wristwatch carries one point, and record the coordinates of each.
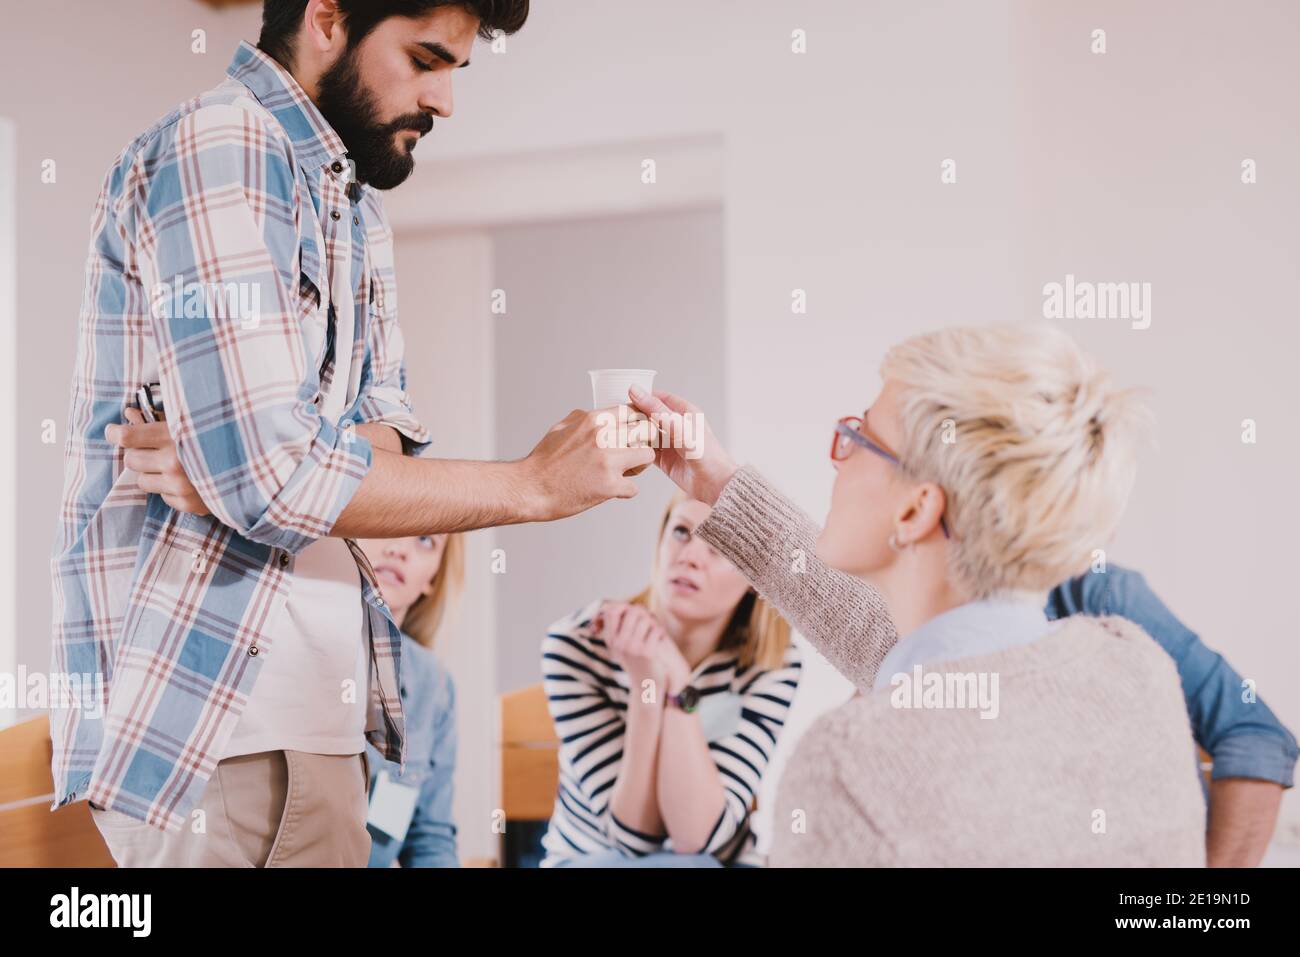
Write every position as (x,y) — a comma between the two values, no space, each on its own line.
(688,699)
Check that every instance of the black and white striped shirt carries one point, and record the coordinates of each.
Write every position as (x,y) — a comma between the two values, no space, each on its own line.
(588,694)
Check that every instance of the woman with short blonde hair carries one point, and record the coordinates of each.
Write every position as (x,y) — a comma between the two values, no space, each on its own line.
(993,464)
(1033,447)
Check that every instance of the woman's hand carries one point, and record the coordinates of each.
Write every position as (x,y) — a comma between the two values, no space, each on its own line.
(151,453)
(701,470)
(677,671)
(638,643)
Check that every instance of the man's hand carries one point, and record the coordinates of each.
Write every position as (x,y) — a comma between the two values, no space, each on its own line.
(569,471)
(700,471)
(151,453)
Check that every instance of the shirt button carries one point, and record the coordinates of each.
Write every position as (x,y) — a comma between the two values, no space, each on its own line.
(335,214)
(337,166)
(252,652)
(379,602)
(356,220)
(284,560)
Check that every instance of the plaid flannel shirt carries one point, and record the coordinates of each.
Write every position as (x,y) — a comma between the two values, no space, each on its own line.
(237,198)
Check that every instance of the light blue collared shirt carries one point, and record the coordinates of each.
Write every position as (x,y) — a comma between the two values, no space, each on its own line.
(975,628)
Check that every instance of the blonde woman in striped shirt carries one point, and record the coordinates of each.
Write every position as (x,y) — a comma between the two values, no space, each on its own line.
(668,708)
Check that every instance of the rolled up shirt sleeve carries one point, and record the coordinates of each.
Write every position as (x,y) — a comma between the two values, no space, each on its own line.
(1242,735)
(1259,756)
(220,209)
(389,405)
(383,401)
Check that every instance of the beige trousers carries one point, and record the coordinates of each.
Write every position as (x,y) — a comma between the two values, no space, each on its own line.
(273,809)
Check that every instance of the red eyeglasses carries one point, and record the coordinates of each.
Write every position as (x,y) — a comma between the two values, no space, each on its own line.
(848,434)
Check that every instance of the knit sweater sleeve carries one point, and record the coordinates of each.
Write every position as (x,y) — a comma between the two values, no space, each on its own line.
(774,544)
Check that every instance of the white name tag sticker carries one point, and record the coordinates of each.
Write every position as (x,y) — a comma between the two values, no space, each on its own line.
(392,805)
(719,715)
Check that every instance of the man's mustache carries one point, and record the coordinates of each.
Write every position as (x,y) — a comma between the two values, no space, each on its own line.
(420,122)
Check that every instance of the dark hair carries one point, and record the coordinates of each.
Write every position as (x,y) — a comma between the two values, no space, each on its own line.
(281,19)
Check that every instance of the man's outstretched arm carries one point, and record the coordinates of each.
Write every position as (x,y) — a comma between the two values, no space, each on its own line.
(567,472)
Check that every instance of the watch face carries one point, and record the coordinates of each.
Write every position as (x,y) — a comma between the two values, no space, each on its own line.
(689,698)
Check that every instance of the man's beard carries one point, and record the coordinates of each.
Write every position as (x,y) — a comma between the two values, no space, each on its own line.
(349,107)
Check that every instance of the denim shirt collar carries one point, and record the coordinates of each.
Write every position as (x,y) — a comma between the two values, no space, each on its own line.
(975,628)
(314,141)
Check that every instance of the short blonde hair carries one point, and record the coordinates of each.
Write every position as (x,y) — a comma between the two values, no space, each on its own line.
(756,630)
(1034,449)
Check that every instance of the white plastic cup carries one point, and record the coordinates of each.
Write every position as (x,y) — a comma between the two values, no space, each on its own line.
(609,386)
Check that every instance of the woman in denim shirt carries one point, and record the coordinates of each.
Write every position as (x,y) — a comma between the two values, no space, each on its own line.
(410,814)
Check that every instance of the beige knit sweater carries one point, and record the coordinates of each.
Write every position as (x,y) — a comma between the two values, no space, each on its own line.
(1089,762)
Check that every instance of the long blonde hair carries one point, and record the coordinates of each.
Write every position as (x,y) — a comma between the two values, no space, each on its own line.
(426,613)
(756,629)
